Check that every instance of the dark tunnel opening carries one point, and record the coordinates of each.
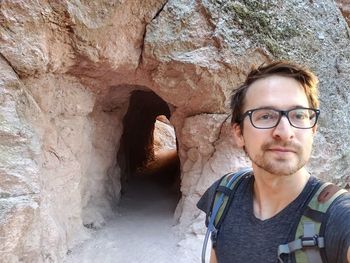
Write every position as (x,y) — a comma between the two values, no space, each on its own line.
(140,158)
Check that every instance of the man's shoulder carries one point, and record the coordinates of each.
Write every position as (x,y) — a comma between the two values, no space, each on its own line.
(341,204)
(338,216)
(207,198)
(329,190)
(330,199)
(337,229)
(205,201)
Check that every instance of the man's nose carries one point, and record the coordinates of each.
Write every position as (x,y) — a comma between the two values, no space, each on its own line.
(284,130)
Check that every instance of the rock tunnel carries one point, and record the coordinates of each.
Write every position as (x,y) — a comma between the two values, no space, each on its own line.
(148,152)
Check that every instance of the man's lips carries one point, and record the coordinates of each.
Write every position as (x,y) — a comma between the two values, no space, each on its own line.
(279,149)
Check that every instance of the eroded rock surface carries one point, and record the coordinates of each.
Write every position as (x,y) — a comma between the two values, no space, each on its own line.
(67,70)
(20,193)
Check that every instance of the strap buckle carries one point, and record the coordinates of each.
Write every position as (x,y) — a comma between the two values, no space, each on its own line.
(309,241)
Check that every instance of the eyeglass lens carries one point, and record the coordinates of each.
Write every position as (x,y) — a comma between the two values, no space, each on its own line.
(268,118)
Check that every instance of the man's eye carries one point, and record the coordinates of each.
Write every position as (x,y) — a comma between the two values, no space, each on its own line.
(266,117)
(301,115)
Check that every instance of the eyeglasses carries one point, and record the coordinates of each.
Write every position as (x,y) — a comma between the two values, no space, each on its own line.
(267,118)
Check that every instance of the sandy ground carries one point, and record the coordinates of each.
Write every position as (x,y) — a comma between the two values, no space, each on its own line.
(142,232)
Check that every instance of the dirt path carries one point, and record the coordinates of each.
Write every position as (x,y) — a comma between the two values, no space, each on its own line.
(142,231)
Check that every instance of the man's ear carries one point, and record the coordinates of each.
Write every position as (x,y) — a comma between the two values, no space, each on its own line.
(314,129)
(238,135)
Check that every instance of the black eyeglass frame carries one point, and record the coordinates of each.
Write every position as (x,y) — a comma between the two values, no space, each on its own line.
(281,114)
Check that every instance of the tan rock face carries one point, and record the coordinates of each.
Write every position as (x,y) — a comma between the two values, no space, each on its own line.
(20,179)
(53,35)
(66,149)
(67,70)
(164,136)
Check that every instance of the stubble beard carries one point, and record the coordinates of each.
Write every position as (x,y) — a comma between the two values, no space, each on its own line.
(280,166)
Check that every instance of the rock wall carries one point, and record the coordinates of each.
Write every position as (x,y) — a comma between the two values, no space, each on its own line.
(205,47)
(66,73)
(20,198)
(60,122)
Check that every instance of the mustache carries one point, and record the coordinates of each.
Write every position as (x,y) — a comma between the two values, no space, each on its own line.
(289,145)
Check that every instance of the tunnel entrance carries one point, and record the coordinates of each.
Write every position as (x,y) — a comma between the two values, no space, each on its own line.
(150,189)
(148,155)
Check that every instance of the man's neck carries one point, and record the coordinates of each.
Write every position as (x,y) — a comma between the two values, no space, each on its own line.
(272,193)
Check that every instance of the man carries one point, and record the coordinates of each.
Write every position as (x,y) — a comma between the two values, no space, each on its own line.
(274,120)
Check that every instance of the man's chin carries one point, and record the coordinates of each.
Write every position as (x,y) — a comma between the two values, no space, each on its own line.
(280,169)
(278,165)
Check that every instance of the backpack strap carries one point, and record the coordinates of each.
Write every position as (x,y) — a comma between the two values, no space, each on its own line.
(223,196)
(308,241)
(224,189)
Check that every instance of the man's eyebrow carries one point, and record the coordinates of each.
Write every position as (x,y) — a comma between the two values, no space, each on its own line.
(297,106)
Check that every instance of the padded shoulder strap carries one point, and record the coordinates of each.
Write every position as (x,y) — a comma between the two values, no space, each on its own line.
(325,196)
(219,203)
(224,191)
(308,241)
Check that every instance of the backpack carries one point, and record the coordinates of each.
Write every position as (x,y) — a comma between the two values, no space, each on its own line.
(308,232)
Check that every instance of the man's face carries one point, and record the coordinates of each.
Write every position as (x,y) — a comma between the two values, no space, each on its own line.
(282,150)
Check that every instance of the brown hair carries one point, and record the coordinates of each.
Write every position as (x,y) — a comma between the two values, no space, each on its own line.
(306,78)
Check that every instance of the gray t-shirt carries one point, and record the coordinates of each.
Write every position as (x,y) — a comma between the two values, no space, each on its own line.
(244,238)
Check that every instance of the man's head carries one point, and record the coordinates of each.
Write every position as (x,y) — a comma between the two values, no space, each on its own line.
(274,117)
(281,68)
